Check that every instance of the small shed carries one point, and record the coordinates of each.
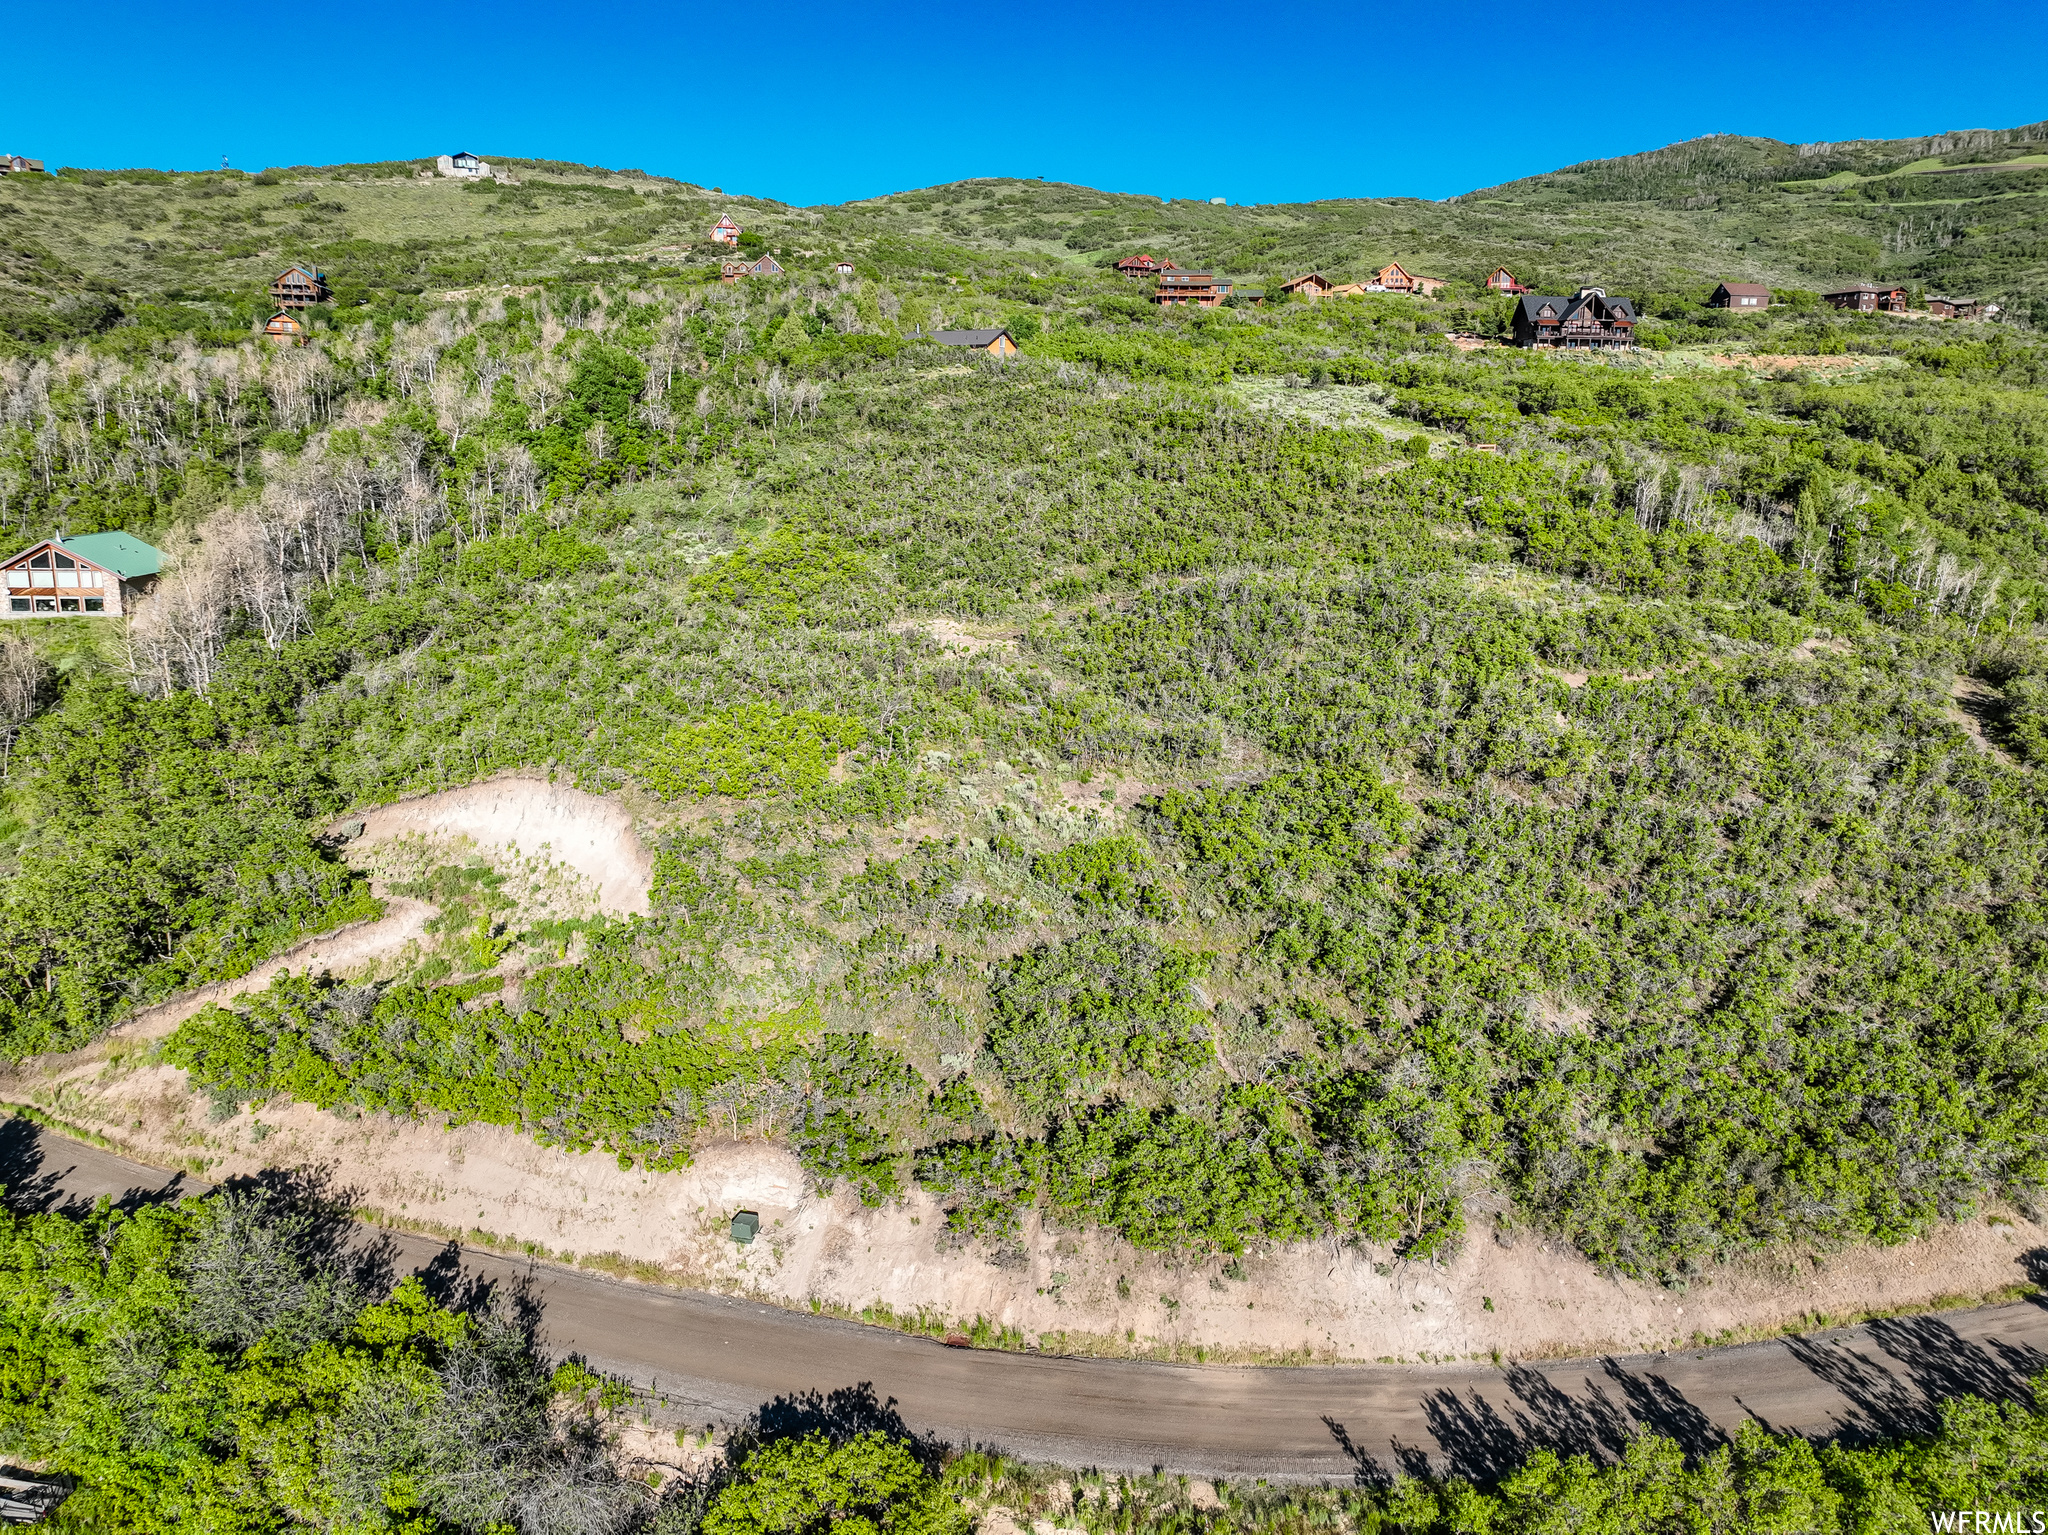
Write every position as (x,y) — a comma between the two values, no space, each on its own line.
(286,327)
(93,573)
(746,1225)
(1501,280)
(1308,285)
(725,231)
(767,266)
(1750,297)
(299,285)
(842,268)
(996,343)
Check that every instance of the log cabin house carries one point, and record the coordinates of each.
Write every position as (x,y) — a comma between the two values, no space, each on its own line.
(286,327)
(725,231)
(1310,285)
(1501,280)
(1589,318)
(1745,297)
(1178,287)
(1394,278)
(1144,266)
(299,285)
(996,343)
(1868,298)
(97,573)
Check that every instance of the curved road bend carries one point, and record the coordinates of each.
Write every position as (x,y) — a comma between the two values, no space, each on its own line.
(720,1359)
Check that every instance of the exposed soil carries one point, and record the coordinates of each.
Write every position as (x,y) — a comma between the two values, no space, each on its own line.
(530,816)
(1079,1291)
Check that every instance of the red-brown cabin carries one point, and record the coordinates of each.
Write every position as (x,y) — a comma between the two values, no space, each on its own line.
(1501,280)
(1178,287)
(1743,297)
(1868,298)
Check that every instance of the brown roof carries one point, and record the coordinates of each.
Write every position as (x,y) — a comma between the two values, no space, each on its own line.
(1746,289)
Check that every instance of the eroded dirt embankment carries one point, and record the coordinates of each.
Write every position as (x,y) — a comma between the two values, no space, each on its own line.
(1088,1292)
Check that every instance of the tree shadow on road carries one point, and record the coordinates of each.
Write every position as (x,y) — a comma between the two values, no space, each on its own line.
(32,1168)
(838,1415)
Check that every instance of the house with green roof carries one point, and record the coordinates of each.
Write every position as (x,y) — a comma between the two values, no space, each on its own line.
(99,573)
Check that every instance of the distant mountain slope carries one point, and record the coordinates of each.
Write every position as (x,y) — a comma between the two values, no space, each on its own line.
(1963,213)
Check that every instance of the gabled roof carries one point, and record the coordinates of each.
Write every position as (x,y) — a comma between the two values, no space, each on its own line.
(1602,306)
(982,338)
(724,219)
(1864,287)
(123,553)
(1745,289)
(304,271)
(766,266)
(1304,280)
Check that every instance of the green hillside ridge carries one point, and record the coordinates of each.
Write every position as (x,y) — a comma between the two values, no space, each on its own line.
(1227,776)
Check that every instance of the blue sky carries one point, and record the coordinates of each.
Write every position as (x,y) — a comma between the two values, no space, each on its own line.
(815,103)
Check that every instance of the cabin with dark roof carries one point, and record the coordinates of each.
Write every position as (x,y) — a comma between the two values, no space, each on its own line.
(1868,298)
(99,573)
(299,285)
(1743,297)
(1589,318)
(996,343)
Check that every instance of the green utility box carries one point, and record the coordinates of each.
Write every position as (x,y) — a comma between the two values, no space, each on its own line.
(745,1227)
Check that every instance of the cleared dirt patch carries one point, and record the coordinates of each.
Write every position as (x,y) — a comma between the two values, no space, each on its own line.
(593,836)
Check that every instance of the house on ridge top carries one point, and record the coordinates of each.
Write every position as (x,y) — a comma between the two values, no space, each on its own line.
(97,573)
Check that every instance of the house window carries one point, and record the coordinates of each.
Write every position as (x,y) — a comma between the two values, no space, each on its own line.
(17,578)
(95,605)
(46,604)
(17,604)
(67,604)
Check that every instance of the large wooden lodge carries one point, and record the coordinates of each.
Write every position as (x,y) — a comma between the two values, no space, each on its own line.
(98,573)
(1589,318)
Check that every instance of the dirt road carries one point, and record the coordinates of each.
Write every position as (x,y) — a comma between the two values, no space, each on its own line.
(717,1359)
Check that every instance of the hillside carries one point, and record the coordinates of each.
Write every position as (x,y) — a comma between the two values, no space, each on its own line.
(1225,779)
(1960,213)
